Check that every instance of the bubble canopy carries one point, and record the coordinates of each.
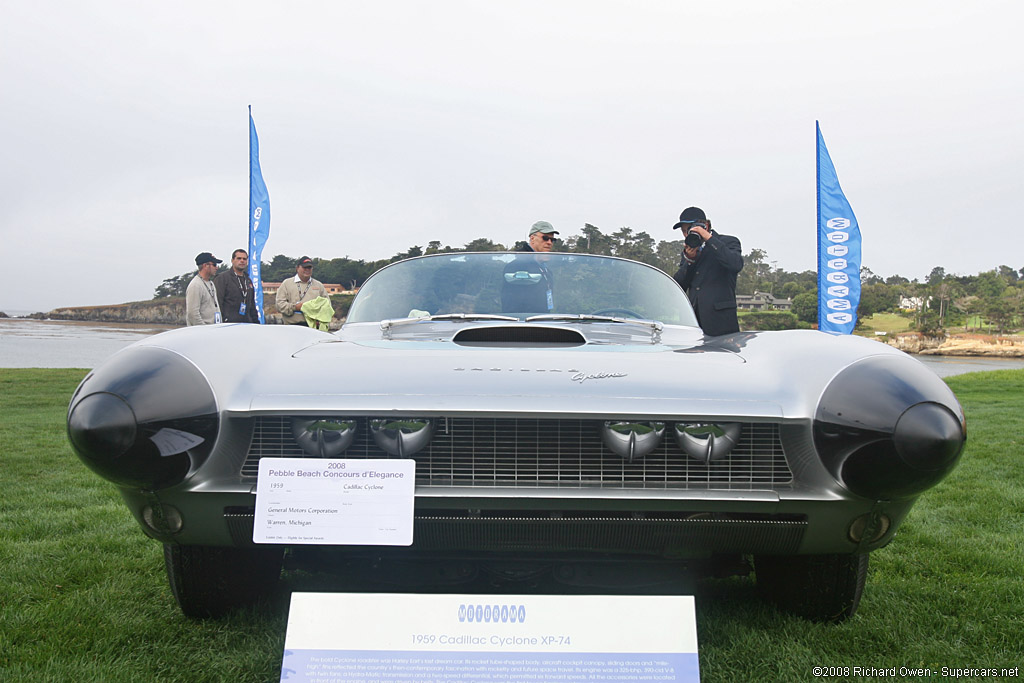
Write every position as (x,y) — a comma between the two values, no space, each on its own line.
(520,285)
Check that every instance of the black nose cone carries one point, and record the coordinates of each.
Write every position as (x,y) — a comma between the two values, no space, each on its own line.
(929,437)
(102,427)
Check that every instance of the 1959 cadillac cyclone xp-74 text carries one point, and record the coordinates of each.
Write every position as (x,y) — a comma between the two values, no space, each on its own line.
(557,407)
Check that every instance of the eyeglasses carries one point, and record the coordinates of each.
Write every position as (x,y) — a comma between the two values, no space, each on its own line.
(548,238)
(306,265)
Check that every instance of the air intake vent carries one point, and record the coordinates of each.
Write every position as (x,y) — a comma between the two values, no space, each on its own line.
(513,334)
(487,452)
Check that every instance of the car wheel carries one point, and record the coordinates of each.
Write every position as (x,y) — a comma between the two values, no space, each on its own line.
(210,581)
(818,587)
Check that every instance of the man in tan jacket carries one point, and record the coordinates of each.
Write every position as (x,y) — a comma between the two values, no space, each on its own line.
(296,291)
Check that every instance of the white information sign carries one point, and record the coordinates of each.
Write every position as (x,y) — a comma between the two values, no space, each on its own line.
(335,502)
(347,637)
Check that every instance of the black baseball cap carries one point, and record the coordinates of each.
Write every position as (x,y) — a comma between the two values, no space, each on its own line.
(692,215)
(207,257)
(304,261)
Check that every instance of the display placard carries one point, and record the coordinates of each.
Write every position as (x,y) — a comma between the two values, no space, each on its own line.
(346,637)
(335,501)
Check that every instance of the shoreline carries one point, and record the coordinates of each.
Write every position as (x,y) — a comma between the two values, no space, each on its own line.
(959,345)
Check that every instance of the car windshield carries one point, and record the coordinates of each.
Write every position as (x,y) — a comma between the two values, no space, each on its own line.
(520,285)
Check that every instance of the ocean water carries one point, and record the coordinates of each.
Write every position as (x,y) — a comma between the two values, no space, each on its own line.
(65,344)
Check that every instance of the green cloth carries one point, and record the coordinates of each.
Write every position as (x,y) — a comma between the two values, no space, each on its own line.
(318,313)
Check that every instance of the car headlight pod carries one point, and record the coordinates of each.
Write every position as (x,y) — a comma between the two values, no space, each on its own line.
(632,440)
(145,419)
(707,442)
(324,437)
(887,427)
(402,437)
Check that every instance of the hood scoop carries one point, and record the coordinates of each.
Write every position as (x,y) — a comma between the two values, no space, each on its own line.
(519,335)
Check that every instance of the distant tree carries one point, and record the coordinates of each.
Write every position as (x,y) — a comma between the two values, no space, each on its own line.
(790,289)
(483,244)
(927,323)
(668,255)
(937,275)
(754,276)
(971,306)
(174,286)
(411,252)
(767,320)
(1008,274)
(805,306)
(876,297)
(593,241)
(807,280)
(343,271)
(1014,297)
(943,293)
(280,268)
(867,277)
(988,285)
(637,246)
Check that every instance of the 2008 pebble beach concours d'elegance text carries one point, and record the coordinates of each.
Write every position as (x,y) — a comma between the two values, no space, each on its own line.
(556,406)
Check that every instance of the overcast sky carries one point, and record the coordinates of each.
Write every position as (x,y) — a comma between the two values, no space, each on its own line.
(124,129)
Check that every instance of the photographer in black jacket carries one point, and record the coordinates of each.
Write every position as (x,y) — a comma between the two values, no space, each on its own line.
(707,272)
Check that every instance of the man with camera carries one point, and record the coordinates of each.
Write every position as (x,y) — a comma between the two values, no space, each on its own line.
(707,272)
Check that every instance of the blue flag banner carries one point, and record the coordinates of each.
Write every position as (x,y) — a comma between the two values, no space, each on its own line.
(259,215)
(838,250)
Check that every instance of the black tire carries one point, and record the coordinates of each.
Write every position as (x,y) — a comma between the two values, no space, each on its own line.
(210,581)
(824,588)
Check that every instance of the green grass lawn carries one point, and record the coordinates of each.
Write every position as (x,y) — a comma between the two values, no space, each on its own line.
(886,322)
(83,595)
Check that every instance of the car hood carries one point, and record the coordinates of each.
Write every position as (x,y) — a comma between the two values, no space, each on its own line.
(769,375)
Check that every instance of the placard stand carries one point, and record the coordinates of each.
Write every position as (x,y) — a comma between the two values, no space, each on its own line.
(347,637)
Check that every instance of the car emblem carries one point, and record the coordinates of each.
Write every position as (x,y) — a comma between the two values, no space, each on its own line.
(584,376)
(574,374)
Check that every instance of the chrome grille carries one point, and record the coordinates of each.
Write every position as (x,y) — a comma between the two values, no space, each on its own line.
(485,452)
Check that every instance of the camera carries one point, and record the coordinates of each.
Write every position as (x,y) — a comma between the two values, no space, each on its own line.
(692,240)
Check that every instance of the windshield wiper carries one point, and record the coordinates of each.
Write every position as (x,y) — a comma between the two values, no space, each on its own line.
(469,316)
(656,326)
(585,317)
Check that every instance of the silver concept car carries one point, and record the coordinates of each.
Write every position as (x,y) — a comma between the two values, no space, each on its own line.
(557,407)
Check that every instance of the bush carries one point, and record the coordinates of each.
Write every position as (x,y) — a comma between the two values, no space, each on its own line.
(929,325)
(767,320)
(341,303)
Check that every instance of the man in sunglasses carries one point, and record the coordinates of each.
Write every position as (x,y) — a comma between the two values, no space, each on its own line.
(707,272)
(528,286)
(541,237)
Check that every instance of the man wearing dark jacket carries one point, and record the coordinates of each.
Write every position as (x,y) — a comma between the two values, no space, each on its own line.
(235,292)
(528,286)
(707,272)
